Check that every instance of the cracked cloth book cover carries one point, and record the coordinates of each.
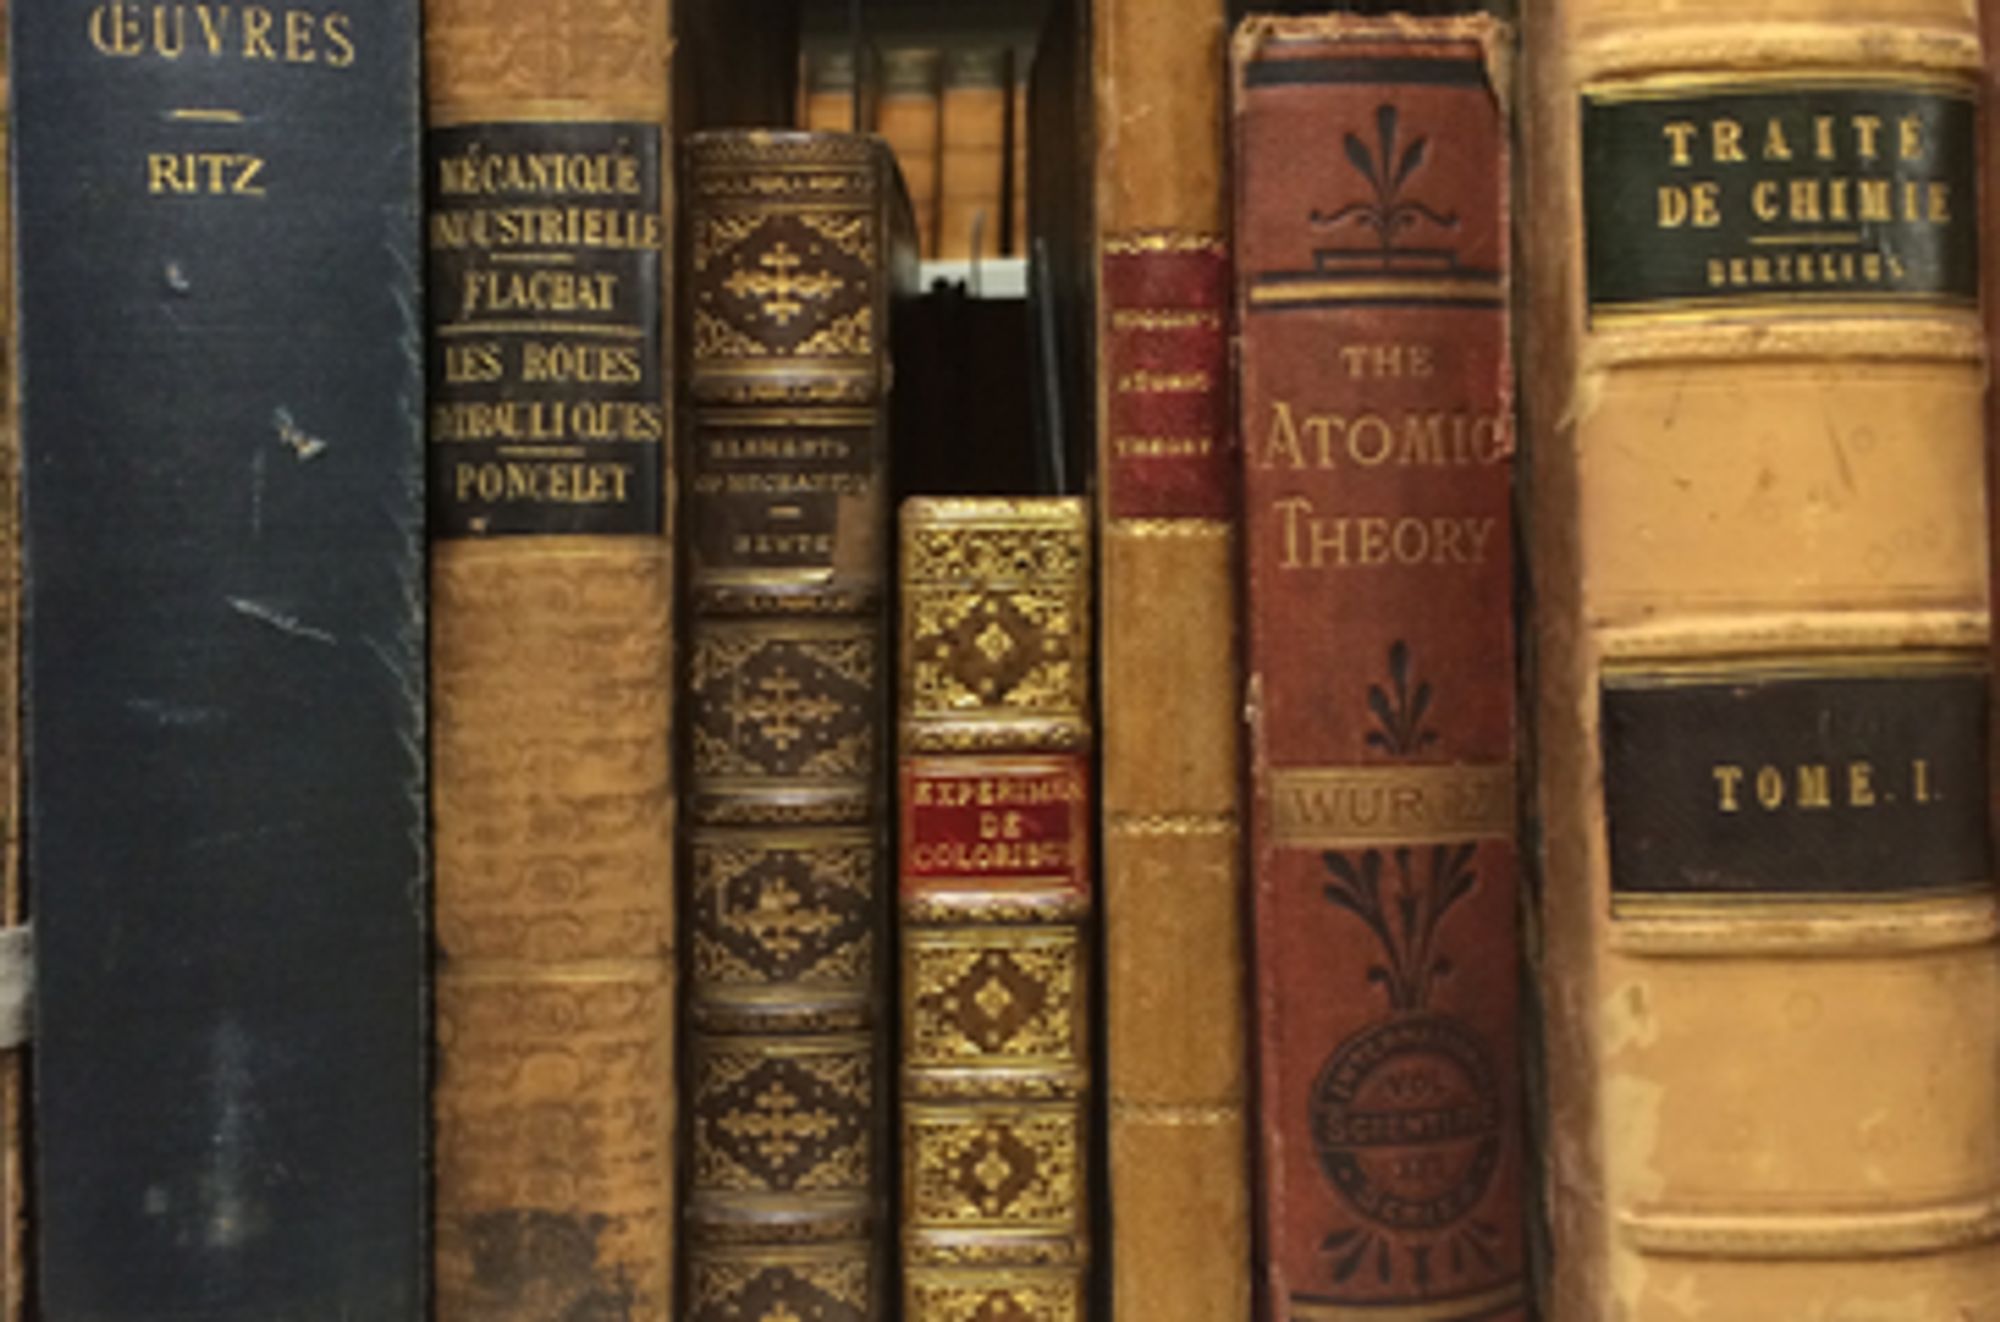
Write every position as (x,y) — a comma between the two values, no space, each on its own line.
(1375,412)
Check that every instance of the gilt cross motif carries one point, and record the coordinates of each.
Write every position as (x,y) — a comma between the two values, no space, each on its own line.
(779,1126)
(780,711)
(779,289)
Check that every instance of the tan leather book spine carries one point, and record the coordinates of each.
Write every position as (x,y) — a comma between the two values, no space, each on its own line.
(799,244)
(1175,980)
(1017,157)
(1768,961)
(829,99)
(973,164)
(551,660)
(996,902)
(906,114)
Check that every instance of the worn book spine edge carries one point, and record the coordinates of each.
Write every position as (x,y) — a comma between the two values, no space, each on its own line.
(1171,837)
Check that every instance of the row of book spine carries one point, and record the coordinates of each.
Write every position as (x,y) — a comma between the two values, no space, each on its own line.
(1763,933)
(956,119)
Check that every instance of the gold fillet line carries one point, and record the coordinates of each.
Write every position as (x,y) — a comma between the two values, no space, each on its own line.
(1329,807)
(784,1256)
(1174,1115)
(1779,302)
(542,328)
(1649,673)
(206,115)
(1207,529)
(480,112)
(1345,291)
(1842,238)
(1161,241)
(820,419)
(1170,824)
(1890,1232)
(1438,1310)
(1813,928)
(554,974)
(1666,87)
(1798,634)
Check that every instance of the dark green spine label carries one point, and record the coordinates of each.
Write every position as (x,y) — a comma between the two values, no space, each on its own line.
(1777,195)
(1797,784)
(547,409)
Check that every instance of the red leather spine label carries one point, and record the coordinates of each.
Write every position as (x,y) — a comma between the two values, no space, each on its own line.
(1375,411)
(997,821)
(1166,349)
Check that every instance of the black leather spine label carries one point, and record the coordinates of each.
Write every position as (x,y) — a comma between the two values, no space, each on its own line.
(1846,189)
(1797,783)
(547,387)
(222,383)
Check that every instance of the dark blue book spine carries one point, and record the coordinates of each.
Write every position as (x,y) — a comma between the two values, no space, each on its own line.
(218,224)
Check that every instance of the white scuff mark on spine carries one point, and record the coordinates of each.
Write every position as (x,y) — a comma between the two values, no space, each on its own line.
(280,621)
(303,444)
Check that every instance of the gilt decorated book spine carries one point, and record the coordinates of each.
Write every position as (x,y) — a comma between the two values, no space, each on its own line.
(549,176)
(220,319)
(996,902)
(1175,1006)
(1769,959)
(1375,405)
(797,242)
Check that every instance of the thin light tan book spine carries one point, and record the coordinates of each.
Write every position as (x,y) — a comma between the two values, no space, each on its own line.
(1174,978)
(972,157)
(906,114)
(1767,935)
(551,659)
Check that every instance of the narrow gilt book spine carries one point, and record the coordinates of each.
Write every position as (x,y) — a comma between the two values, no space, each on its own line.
(1175,981)
(996,906)
(1376,407)
(1769,958)
(218,227)
(797,242)
(549,174)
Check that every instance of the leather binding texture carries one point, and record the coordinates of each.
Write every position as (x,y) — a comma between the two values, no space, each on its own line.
(996,900)
(222,388)
(1175,980)
(1376,404)
(1760,543)
(549,178)
(797,243)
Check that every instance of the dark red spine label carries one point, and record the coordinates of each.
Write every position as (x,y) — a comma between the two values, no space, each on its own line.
(1375,413)
(1166,358)
(997,821)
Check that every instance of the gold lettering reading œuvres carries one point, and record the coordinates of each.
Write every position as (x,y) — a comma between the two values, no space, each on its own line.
(1444,438)
(1816,786)
(1309,541)
(168,30)
(542,483)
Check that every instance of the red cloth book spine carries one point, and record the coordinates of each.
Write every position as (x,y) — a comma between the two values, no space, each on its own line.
(1376,421)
